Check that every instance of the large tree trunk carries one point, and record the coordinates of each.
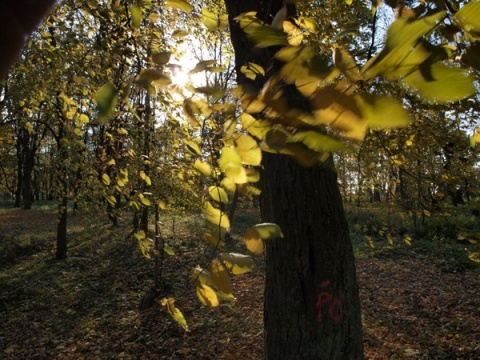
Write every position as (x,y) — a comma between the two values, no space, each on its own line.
(312,307)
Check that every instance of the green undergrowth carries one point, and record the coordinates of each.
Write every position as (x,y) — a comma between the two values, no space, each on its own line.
(449,239)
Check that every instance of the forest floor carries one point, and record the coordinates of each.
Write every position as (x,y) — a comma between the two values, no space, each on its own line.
(87,306)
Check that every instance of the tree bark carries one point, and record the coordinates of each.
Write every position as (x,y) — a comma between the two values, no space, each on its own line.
(312,306)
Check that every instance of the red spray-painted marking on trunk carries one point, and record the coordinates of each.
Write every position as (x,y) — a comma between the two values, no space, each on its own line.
(326,299)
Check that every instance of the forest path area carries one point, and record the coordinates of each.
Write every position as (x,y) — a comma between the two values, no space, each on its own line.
(88,306)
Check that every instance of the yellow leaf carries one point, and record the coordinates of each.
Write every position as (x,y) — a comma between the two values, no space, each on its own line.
(408,240)
(238,263)
(252,190)
(174,312)
(251,70)
(214,240)
(268,231)
(426,213)
(346,63)
(201,276)
(145,201)
(161,58)
(145,178)
(178,4)
(106,100)
(140,235)
(252,175)
(179,33)
(83,119)
(333,106)
(475,256)
(111,200)
(169,251)
(137,17)
(230,164)
(202,66)
(162,205)
(390,239)
(215,216)
(317,141)
(209,19)
(220,277)
(229,185)
(248,150)
(207,295)
(294,34)
(256,128)
(253,241)
(202,168)
(370,241)
(193,147)
(218,194)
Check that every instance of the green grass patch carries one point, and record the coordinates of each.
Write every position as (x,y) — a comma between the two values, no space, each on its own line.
(447,240)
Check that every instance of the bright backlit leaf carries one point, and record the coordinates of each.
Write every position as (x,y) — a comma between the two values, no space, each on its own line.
(218,194)
(317,141)
(294,34)
(215,92)
(238,263)
(402,37)
(259,33)
(268,231)
(256,128)
(146,246)
(178,4)
(137,16)
(207,295)
(215,216)
(209,19)
(83,119)
(229,185)
(202,167)
(144,200)
(154,77)
(468,17)
(248,149)
(440,83)
(231,164)
(382,112)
